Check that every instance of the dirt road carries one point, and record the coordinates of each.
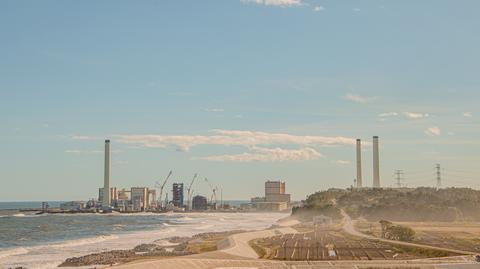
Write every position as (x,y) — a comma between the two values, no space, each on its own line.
(349,227)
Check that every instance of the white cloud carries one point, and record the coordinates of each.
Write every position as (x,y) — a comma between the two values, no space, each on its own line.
(388,114)
(359,99)
(280,3)
(415,115)
(433,131)
(318,8)
(357,9)
(342,162)
(269,155)
(467,115)
(230,138)
(214,109)
(77,151)
(84,137)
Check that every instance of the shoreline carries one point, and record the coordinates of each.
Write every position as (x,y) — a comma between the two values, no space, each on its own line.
(175,246)
(181,247)
(184,225)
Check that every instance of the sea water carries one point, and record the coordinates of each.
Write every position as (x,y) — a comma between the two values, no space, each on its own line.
(45,241)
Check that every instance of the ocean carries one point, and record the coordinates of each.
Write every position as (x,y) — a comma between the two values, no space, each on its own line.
(45,241)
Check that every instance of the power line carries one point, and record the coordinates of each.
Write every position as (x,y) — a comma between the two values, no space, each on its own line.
(398,177)
(439,176)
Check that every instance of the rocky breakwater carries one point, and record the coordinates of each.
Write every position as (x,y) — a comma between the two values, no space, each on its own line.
(121,256)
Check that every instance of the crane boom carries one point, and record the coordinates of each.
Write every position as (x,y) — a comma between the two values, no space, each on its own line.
(161,186)
(191,183)
(189,191)
(214,191)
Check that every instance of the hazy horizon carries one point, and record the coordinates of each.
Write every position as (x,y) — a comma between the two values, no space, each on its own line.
(238,91)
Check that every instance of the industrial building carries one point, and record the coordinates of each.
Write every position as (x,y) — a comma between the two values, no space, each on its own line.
(177,191)
(199,203)
(113,194)
(275,198)
(275,192)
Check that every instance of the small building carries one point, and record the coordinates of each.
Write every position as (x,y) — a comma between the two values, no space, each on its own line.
(199,203)
(73,206)
(271,206)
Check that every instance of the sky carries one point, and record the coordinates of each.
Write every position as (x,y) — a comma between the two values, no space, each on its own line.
(238,91)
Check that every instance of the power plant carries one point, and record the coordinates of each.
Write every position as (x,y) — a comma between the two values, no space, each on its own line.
(137,199)
(376,163)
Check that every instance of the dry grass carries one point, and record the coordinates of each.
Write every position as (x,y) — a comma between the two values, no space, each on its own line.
(454,235)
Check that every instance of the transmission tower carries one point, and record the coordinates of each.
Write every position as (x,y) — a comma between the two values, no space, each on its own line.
(399,177)
(439,176)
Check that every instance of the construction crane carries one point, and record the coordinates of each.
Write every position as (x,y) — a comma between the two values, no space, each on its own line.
(189,191)
(214,192)
(161,186)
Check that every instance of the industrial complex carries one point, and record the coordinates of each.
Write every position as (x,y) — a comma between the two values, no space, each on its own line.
(156,199)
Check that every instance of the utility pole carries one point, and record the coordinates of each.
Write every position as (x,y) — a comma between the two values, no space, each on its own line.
(398,177)
(439,176)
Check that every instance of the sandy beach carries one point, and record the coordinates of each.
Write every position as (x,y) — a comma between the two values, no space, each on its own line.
(50,255)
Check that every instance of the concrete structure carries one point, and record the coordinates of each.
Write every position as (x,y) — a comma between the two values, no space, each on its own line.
(139,198)
(106,201)
(376,163)
(199,203)
(152,197)
(113,195)
(359,164)
(177,194)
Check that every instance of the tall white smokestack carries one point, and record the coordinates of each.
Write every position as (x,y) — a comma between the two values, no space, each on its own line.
(106,179)
(376,163)
(359,163)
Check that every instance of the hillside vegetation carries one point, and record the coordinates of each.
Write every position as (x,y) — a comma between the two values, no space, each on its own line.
(419,204)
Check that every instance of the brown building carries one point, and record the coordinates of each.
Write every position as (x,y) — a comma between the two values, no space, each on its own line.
(199,203)
(275,197)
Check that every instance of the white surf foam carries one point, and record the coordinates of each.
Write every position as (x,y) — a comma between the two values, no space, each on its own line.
(85,241)
(12,252)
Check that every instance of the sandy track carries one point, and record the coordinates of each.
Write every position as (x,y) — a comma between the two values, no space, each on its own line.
(238,243)
(349,227)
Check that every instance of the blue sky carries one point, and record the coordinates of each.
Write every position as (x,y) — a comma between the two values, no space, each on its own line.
(238,91)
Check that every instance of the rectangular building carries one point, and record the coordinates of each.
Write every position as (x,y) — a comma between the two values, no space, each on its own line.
(139,198)
(113,195)
(275,192)
(177,194)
